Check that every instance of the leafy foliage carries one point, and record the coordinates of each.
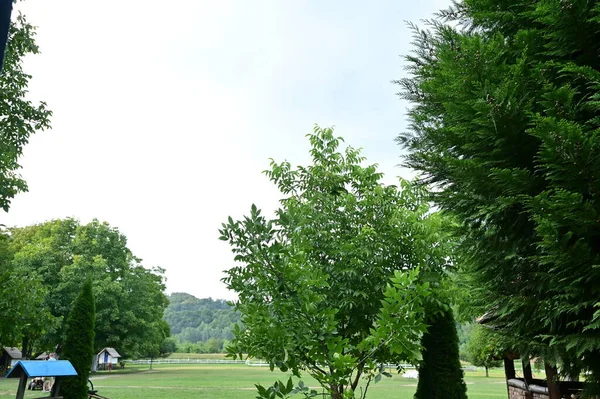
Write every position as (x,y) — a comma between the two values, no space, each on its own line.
(19,119)
(19,116)
(334,283)
(157,344)
(484,348)
(464,332)
(196,320)
(440,372)
(22,301)
(78,346)
(285,390)
(506,129)
(61,254)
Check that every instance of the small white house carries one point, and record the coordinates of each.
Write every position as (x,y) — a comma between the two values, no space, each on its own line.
(107,356)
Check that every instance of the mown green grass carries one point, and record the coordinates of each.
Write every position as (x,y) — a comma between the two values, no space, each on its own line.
(237,382)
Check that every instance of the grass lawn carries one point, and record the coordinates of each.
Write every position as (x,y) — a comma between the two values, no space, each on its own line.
(237,382)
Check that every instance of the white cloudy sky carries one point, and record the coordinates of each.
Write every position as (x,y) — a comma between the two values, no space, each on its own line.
(166,112)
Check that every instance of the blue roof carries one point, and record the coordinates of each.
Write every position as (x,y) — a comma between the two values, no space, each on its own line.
(42,368)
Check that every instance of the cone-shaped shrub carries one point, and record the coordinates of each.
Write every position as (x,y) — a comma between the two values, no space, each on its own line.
(440,373)
(78,346)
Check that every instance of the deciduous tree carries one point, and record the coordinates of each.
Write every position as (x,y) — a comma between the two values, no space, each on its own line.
(19,119)
(19,116)
(484,348)
(130,299)
(332,285)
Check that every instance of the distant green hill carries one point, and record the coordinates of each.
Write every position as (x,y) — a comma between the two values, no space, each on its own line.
(196,320)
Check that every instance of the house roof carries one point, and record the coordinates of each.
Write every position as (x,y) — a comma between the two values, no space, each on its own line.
(42,368)
(111,351)
(14,353)
(43,356)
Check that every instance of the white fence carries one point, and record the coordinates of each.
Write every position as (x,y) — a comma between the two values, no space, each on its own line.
(185,361)
(253,362)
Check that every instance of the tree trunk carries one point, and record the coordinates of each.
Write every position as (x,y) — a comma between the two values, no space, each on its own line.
(487,372)
(553,387)
(26,348)
(527,373)
(337,391)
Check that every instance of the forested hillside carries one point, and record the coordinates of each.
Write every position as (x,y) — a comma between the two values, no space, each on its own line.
(200,325)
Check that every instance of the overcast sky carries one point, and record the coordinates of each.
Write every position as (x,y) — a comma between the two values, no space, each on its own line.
(166,112)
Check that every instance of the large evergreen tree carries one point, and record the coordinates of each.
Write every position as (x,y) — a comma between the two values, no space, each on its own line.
(440,372)
(78,345)
(506,127)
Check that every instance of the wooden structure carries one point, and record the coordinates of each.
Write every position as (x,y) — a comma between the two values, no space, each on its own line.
(108,358)
(528,387)
(25,369)
(9,357)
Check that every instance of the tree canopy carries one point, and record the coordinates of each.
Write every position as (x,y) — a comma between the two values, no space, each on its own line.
(198,320)
(505,127)
(333,284)
(61,254)
(484,348)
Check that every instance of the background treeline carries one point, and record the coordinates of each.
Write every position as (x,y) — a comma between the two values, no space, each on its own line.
(199,325)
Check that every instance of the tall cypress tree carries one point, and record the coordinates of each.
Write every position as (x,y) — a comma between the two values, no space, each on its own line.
(440,372)
(78,346)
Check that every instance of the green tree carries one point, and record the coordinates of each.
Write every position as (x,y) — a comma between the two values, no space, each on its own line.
(198,320)
(440,372)
(130,298)
(19,119)
(505,128)
(330,285)
(464,336)
(22,302)
(484,349)
(78,346)
(168,346)
(155,342)
(19,116)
